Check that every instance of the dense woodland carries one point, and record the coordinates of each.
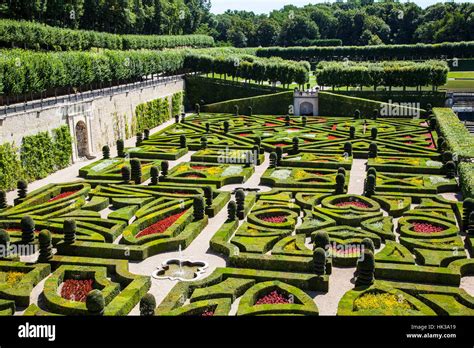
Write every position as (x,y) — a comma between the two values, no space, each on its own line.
(354,22)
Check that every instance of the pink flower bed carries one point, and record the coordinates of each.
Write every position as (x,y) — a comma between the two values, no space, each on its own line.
(268,124)
(422,227)
(357,204)
(193,176)
(207,313)
(160,226)
(274,219)
(275,297)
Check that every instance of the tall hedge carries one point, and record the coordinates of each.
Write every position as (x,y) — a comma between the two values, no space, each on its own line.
(332,104)
(31,35)
(388,73)
(10,166)
(177,101)
(270,104)
(466,176)
(33,72)
(380,52)
(248,67)
(42,154)
(457,136)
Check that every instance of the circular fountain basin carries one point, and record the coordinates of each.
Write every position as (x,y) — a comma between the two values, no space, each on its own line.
(183,270)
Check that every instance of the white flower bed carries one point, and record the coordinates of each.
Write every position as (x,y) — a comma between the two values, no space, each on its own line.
(104,164)
(232,170)
(434,163)
(281,174)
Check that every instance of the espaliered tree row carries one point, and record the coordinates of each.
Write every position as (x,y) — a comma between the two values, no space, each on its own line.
(23,72)
(379,52)
(388,73)
(30,35)
(250,67)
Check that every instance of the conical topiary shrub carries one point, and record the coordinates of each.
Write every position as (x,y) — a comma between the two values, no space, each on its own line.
(164,168)
(208,195)
(45,246)
(27,229)
(340,183)
(3,199)
(198,206)
(154,175)
(120,148)
(136,167)
(273,160)
(240,200)
(231,211)
(365,269)
(106,152)
(69,229)
(4,243)
(321,240)
(182,141)
(319,260)
(348,148)
(126,174)
(146,134)
(370,185)
(139,139)
(373,150)
(368,244)
(22,187)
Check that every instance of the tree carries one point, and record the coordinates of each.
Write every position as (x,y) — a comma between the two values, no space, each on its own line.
(297,29)
(267,32)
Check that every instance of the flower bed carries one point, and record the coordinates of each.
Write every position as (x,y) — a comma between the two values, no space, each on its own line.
(63,195)
(76,289)
(208,313)
(357,204)
(274,219)
(198,167)
(275,297)
(389,303)
(12,278)
(160,226)
(423,227)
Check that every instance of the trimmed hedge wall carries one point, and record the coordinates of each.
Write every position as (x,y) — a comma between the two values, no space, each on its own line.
(466,175)
(379,52)
(276,104)
(40,36)
(204,90)
(457,136)
(435,98)
(38,156)
(333,104)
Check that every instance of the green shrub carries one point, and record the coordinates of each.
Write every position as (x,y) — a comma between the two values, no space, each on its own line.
(27,229)
(10,166)
(45,247)
(454,132)
(147,305)
(466,176)
(95,302)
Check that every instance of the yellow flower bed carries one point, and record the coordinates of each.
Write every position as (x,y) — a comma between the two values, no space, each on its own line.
(12,278)
(389,303)
(300,174)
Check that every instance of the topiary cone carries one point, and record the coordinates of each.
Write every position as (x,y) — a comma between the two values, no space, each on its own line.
(27,229)
(69,228)
(231,211)
(365,269)
(45,246)
(319,260)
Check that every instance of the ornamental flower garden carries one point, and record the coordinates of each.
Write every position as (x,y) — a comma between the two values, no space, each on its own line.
(283,205)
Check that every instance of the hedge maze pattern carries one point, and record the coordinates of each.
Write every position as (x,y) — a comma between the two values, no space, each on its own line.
(409,244)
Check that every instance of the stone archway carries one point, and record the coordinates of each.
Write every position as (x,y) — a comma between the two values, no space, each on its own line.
(306,109)
(82,141)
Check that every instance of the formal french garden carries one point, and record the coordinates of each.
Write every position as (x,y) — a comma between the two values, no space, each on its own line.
(223,198)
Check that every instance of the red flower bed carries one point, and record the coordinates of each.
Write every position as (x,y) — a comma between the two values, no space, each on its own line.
(76,290)
(334,127)
(207,313)
(245,134)
(407,136)
(160,226)
(332,137)
(268,124)
(275,297)
(199,167)
(357,204)
(274,219)
(422,227)
(294,129)
(280,144)
(63,195)
(430,146)
(408,142)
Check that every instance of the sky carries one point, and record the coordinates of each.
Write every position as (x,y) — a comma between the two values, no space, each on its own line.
(265,6)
